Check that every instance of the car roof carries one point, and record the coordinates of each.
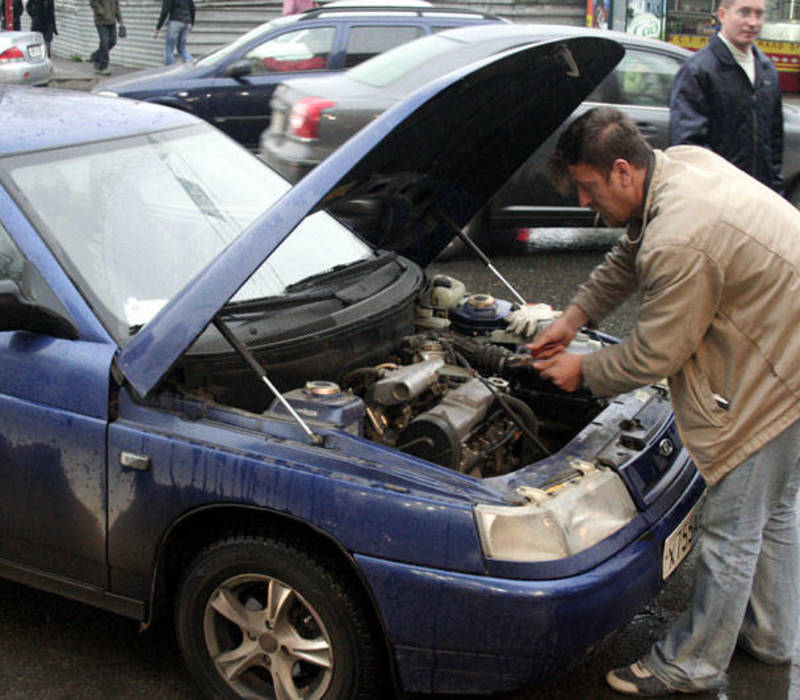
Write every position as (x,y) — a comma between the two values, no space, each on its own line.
(378,11)
(51,118)
(377,3)
(544,32)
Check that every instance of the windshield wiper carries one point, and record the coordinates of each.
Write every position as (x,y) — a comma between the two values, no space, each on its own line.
(355,268)
(290,299)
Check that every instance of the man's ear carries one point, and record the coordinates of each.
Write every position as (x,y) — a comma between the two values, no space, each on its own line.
(623,170)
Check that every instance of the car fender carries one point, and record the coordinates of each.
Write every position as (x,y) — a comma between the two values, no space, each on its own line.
(172,101)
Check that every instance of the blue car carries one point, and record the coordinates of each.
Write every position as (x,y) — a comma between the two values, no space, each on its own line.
(231,87)
(342,478)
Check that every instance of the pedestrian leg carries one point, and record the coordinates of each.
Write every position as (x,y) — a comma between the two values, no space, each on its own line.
(698,646)
(771,621)
(100,56)
(169,43)
(183,37)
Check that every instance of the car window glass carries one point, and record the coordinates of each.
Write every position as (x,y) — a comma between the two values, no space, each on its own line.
(642,78)
(302,50)
(366,42)
(386,68)
(223,52)
(12,261)
(134,220)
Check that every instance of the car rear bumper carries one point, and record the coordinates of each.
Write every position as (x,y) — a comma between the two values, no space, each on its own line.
(454,632)
(292,168)
(26,73)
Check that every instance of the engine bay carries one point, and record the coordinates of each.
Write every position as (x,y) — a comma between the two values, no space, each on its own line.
(461,392)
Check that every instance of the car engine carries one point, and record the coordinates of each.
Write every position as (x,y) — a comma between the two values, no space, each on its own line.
(461,393)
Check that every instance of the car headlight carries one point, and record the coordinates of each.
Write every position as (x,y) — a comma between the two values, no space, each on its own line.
(557,522)
(107,93)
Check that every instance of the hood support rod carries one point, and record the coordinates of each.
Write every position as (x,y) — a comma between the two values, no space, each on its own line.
(247,356)
(481,255)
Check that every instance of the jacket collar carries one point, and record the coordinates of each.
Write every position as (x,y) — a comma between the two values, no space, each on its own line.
(636,227)
(723,54)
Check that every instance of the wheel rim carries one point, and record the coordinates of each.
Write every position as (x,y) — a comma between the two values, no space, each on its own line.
(265,640)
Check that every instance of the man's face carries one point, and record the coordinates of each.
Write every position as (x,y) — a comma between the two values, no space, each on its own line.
(612,197)
(742,22)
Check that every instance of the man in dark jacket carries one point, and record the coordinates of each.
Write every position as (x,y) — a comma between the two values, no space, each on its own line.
(727,97)
(106,16)
(43,20)
(181,21)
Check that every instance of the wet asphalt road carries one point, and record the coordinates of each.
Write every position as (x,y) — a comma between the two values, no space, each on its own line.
(57,650)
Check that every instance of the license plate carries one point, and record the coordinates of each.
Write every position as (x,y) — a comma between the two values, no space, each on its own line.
(276,125)
(35,51)
(680,541)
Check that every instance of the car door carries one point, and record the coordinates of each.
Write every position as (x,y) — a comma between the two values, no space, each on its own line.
(239,105)
(54,418)
(639,86)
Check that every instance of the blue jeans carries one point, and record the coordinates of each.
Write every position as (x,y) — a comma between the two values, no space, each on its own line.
(746,587)
(177,32)
(108,40)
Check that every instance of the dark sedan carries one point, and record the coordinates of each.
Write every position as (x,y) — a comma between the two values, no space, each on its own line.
(310,120)
(231,87)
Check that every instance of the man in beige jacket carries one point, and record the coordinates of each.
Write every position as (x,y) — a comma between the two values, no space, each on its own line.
(715,258)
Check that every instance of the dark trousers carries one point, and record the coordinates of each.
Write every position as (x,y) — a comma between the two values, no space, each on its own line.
(108,40)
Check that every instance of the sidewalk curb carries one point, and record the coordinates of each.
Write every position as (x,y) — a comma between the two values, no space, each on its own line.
(80,75)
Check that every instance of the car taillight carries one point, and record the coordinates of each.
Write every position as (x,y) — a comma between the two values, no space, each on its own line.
(11,54)
(305,115)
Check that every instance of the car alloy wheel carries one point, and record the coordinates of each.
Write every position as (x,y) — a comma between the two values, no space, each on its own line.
(254,623)
(260,618)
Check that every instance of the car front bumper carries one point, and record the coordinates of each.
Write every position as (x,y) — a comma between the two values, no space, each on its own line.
(454,632)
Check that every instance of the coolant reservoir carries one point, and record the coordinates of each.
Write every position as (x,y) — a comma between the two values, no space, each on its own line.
(325,401)
(582,344)
(446,291)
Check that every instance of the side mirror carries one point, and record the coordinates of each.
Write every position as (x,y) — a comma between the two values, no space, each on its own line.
(238,69)
(20,314)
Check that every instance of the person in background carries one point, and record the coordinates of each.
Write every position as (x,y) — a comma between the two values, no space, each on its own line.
(107,14)
(43,20)
(16,14)
(291,7)
(179,15)
(727,97)
(715,258)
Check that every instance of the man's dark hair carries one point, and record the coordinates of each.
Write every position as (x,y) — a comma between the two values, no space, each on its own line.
(597,138)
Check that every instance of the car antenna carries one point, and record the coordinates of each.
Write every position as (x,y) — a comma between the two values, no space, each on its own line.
(481,255)
(240,348)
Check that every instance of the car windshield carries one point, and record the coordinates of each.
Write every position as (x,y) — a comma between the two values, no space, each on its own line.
(386,68)
(223,52)
(134,220)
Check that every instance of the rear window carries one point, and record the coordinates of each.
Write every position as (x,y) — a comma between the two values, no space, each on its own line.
(366,42)
(393,65)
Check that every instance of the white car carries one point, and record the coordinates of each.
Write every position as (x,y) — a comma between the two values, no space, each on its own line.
(23,59)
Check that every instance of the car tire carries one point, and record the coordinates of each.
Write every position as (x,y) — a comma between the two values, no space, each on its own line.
(315,643)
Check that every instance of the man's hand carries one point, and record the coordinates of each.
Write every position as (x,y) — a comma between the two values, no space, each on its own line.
(565,370)
(553,339)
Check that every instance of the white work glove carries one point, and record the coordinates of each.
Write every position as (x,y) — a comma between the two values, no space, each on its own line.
(525,320)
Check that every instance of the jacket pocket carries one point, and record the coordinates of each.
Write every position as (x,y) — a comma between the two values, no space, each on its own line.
(694,400)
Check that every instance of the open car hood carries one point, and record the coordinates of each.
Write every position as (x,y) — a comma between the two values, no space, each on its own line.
(430,163)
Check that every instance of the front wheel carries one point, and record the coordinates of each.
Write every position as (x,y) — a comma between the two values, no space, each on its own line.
(260,618)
